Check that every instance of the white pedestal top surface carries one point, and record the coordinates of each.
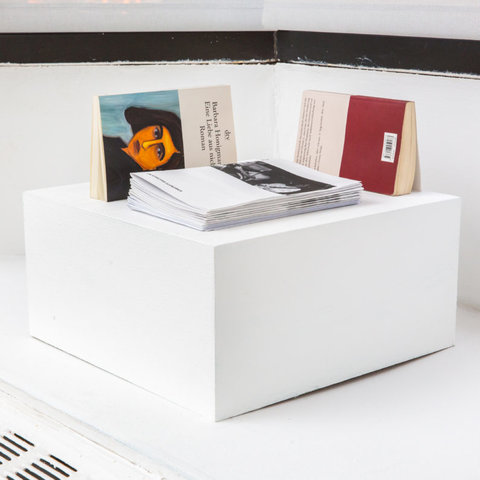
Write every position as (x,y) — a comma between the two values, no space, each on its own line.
(77,196)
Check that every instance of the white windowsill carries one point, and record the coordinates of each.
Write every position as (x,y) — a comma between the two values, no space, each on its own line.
(416,420)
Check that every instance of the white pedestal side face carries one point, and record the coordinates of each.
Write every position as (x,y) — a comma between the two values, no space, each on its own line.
(308,308)
(124,298)
(229,321)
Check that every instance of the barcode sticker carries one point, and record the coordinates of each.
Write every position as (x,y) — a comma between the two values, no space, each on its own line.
(389,147)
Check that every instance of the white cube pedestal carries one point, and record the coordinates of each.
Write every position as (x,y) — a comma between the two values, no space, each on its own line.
(226,322)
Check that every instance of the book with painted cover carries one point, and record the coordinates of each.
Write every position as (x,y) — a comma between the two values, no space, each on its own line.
(370,139)
(163,130)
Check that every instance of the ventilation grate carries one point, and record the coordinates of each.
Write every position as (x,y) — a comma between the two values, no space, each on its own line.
(38,442)
(21,459)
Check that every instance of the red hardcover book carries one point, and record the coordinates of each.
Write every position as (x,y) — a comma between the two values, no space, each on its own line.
(363,138)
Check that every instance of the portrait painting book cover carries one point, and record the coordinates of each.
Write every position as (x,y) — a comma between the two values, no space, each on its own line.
(163,130)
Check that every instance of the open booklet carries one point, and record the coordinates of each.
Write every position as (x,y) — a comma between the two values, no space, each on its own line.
(214,197)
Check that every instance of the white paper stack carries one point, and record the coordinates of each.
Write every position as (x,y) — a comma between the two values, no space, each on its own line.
(214,197)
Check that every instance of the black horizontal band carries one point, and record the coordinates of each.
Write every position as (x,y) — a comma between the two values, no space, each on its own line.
(137,47)
(375,51)
(380,51)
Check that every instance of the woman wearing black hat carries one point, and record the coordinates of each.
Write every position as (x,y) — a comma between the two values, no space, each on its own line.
(156,144)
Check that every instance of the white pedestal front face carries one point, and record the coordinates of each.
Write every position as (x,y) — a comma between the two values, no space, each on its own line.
(229,321)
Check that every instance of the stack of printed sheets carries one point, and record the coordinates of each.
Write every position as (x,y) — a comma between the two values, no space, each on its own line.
(220,196)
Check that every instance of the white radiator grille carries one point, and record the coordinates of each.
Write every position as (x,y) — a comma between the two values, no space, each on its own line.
(21,459)
(35,446)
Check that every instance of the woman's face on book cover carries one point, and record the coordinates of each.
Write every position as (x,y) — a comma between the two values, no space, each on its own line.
(151,147)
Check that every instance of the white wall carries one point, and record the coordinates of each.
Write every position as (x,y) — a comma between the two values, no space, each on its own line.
(46,117)
(448,123)
(45,121)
